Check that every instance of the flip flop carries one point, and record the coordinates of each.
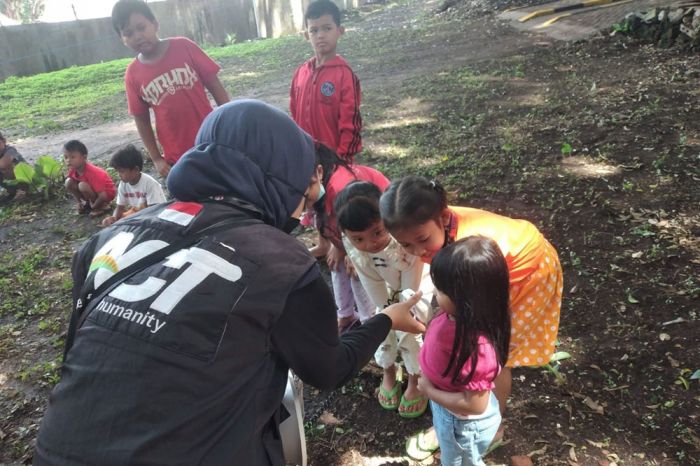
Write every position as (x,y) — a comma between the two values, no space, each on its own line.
(394,393)
(410,403)
(419,448)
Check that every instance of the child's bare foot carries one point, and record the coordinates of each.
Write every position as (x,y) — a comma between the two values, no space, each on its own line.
(83,208)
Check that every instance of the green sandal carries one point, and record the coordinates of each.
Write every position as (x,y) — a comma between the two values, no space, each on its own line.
(393,394)
(410,403)
(420,447)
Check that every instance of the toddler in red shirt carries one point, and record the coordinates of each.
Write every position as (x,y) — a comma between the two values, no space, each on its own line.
(91,186)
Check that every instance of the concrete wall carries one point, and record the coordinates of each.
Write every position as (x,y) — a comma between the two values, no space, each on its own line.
(37,48)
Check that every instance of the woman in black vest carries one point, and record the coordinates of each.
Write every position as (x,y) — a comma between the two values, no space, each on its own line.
(189,315)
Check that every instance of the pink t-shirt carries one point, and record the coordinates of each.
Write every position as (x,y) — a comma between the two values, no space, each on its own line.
(435,355)
(98,179)
(340,178)
(174,88)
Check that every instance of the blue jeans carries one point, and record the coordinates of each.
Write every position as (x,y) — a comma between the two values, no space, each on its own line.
(464,441)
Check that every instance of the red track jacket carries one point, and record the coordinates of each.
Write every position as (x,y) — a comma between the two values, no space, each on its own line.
(325,102)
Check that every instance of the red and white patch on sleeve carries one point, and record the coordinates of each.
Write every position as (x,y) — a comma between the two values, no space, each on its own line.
(181,213)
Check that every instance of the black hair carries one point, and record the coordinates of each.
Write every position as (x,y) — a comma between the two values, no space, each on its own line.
(123,9)
(76,146)
(322,7)
(129,157)
(357,206)
(330,162)
(473,273)
(412,200)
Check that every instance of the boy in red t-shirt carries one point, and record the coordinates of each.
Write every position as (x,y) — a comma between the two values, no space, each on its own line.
(91,186)
(169,76)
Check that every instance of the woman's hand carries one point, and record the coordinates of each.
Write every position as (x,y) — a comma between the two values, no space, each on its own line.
(401,317)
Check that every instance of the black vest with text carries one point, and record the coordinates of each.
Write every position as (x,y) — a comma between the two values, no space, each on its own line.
(175,365)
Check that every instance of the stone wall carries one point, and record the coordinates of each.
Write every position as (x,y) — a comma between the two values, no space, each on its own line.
(37,48)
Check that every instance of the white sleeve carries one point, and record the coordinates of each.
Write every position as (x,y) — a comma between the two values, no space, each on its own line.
(154,192)
(121,197)
(372,282)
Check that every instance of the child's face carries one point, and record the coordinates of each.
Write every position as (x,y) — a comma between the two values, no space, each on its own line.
(444,302)
(323,34)
(140,34)
(129,175)
(74,159)
(423,240)
(372,240)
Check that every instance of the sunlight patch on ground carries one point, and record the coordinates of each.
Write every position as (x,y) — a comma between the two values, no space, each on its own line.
(389,150)
(400,123)
(238,76)
(356,458)
(581,166)
(3,379)
(408,112)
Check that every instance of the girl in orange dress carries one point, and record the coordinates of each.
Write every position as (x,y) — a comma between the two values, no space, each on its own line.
(415,212)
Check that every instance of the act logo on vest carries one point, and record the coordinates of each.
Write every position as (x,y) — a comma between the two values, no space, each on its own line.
(197,264)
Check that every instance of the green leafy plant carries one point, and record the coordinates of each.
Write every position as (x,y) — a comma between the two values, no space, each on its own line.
(45,177)
(566,149)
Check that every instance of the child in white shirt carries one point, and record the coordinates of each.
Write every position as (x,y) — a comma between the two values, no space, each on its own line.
(136,190)
(384,269)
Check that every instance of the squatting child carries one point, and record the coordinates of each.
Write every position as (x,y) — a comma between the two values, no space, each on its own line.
(136,190)
(384,269)
(91,186)
(168,76)
(325,93)
(466,345)
(9,158)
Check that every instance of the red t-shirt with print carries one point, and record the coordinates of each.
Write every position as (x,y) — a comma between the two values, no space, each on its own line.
(98,179)
(174,88)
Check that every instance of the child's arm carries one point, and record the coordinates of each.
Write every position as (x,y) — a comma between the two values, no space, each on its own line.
(372,282)
(349,118)
(145,129)
(118,214)
(217,90)
(461,403)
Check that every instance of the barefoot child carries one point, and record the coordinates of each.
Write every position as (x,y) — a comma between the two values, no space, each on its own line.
(415,212)
(91,186)
(9,158)
(384,270)
(466,345)
(136,190)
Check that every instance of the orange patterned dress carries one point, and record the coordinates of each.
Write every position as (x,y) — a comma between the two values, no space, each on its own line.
(536,280)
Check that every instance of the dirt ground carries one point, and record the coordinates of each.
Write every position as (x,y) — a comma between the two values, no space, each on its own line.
(597,142)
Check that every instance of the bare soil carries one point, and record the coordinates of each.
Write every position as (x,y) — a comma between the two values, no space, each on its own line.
(597,142)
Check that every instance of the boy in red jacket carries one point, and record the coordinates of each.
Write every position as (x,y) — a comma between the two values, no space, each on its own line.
(325,93)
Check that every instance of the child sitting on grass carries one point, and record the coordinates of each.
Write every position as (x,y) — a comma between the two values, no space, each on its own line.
(91,186)
(9,157)
(136,190)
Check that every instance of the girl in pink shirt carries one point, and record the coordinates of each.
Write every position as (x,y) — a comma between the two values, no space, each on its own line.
(465,346)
